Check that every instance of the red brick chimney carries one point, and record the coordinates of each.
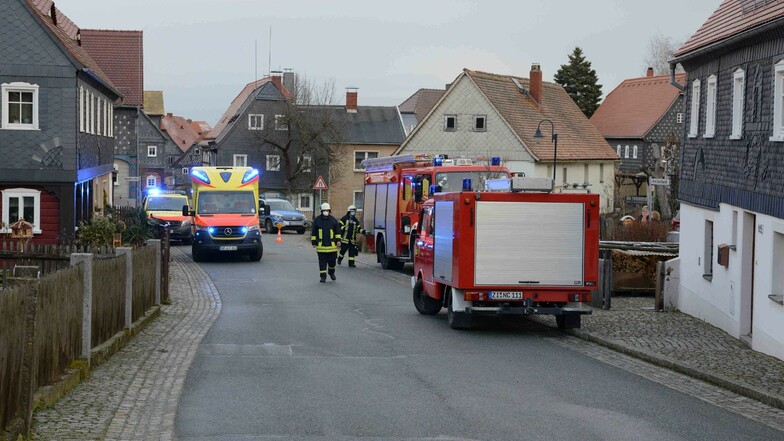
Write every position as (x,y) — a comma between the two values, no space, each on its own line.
(649,73)
(351,99)
(536,83)
(277,79)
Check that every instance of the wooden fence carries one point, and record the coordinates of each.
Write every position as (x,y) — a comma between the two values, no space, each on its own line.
(12,336)
(144,282)
(39,341)
(108,299)
(48,258)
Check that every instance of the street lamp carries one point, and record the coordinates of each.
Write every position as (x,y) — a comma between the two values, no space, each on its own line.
(538,136)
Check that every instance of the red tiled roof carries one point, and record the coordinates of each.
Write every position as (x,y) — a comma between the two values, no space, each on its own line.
(578,139)
(234,107)
(180,130)
(421,102)
(731,18)
(201,127)
(66,32)
(121,55)
(635,106)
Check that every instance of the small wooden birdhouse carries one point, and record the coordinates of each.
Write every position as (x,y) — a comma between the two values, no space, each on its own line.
(21,229)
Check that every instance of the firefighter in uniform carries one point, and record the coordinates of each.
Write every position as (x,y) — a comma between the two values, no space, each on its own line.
(349,228)
(325,238)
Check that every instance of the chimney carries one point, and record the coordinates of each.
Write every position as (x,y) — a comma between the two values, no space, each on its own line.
(536,83)
(650,72)
(169,115)
(351,99)
(277,79)
(289,79)
(53,14)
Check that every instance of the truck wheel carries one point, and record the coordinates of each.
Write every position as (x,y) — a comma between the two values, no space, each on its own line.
(256,254)
(423,303)
(568,321)
(456,320)
(198,254)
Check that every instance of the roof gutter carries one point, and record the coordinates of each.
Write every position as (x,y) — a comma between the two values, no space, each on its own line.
(720,45)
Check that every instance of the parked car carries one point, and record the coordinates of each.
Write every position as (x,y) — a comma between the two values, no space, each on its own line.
(282,212)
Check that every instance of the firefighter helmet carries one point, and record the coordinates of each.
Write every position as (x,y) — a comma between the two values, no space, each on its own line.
(352,208)
(325,206)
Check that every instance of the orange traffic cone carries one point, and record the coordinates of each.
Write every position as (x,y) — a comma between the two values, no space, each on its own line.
(279,238)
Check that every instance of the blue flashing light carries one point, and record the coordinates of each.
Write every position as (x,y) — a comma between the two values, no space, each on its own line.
(153,191)
(250,175)
(211,230)
(438,161)
(200,175)
(467,184)
(433,189)
(244,230)
(495,160)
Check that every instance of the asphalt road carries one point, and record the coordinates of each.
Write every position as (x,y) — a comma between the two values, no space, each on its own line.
(290,358)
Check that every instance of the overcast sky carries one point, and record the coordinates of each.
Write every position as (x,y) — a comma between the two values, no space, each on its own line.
(201,52)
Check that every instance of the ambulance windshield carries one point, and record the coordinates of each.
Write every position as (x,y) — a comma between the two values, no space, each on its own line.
(164,203)
(226,202)
(453,180)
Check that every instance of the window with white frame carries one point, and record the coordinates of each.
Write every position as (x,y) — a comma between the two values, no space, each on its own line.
(304,201)
(255,122)
(111,120)
(634,152)
(710,108)
(707,263)
(240,160)
(273,162)
(89,109)
(694,122)
(480,123)
(778,103)
(618,150)
(171,160)
(601,173)
(307,163)
(281,123)
(152,151)
(20,106)
(626,152)
(196,152)
(738,94)
(450,123)
(21,203)
(360,156)
(99,117)
(152,181)
(359,199)
(186,171)
(81,108)
(679,118)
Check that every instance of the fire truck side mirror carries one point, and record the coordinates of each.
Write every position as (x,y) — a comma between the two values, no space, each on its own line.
(418,192)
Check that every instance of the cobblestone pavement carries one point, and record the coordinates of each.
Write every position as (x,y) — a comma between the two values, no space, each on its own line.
(134,395)
(670,339)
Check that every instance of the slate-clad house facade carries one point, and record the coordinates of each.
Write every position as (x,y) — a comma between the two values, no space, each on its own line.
(56,139)
(732,173)
(642,120)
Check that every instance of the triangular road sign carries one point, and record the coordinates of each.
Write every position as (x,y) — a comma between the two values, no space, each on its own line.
(320,184)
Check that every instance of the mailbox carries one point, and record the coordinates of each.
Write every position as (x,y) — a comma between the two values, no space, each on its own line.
(723,257)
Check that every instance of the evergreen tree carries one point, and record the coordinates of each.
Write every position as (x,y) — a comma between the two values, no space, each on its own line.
(580,82)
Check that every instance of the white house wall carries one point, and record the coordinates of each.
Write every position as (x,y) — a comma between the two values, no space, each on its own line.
(725,299)
(465,100)
(575,173)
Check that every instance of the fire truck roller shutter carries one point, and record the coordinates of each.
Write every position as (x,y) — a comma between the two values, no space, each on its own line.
(391,220)
(369,208)
(381,206)
(529,244)
(443,246)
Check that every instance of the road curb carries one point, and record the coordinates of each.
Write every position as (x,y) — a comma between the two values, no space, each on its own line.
(674,365)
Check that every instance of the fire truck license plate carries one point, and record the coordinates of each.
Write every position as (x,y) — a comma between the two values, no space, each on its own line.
(505,295)
(228,248)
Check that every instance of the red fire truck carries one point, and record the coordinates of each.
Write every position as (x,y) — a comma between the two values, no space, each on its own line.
(396,186)
(519,252)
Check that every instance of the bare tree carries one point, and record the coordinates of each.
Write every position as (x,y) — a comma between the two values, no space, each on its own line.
(305,134)
(660,50)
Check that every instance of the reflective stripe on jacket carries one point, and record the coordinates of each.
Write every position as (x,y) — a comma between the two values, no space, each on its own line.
(349,227)
(325,234)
